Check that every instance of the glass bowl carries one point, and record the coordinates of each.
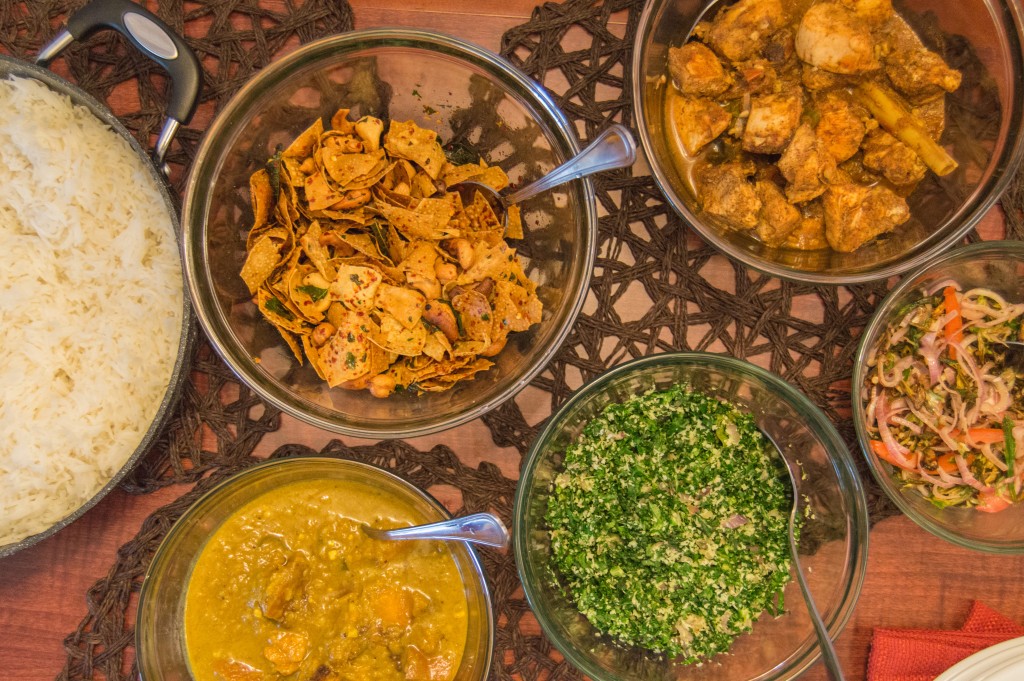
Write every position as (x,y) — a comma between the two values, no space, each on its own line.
(984,135)
(159,631)
(469,96)
(833,544)
(997,265)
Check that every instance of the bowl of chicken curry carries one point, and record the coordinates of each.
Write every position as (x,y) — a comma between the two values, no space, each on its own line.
(830,141)
(270,575)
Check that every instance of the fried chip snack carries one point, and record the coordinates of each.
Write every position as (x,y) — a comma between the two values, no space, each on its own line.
(371,270)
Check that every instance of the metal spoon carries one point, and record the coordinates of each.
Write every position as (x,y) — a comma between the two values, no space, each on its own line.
(1014,356)
(828,651)
(613,148)
(479,528)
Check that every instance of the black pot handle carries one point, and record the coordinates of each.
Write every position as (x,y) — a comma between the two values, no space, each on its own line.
(154,39)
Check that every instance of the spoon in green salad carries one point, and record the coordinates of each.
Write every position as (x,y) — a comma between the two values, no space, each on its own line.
(828,651)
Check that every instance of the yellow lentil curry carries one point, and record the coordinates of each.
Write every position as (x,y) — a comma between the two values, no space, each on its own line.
(290,587)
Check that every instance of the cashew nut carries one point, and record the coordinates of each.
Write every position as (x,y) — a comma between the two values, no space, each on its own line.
(461,250)
(441,315)
(445,271)
(350,145)
(382,385)
(322,333)
(494,348)
(370,129)
(341,248)
(355,383)
(353,199)
(316,279)
(430,288)
(340,121)
(485,286)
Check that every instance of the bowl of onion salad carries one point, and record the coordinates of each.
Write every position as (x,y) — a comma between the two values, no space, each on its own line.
(940,408)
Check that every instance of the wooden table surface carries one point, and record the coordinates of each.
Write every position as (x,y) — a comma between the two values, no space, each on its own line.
(913,579)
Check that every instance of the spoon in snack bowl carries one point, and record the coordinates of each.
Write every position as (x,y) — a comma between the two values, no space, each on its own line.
(613,148)
(479,528)
(828,651)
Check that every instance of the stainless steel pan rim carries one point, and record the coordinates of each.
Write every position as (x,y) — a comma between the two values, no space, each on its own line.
(11,67)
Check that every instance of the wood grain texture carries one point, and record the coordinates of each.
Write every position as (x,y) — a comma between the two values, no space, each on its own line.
(480,22)
(43,588)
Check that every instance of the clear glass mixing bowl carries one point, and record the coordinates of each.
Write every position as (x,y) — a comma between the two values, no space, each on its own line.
(470,97)
(996,265)
(983,133)
(833,543)
(159,627)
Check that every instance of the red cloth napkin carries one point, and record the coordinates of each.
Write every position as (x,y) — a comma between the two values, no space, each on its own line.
(923,654)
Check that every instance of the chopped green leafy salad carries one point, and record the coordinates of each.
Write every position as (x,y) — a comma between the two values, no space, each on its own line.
(669,523)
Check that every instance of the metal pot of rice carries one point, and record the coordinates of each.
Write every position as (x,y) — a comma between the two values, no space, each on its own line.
(97,331)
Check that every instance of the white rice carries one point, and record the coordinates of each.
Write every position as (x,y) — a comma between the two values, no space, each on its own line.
(90,305)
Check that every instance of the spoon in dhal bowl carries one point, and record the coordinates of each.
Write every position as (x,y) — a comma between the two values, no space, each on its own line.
(613,148)
(479,528)
(828,651)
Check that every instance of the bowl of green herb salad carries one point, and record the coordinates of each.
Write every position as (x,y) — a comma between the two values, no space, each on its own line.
(651,523)
(940,414)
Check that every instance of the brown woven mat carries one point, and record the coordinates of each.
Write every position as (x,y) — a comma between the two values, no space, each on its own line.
(646,254)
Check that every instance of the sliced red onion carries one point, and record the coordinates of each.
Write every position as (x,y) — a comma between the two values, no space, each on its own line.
(936,481)
(899,334)
(930,351)
(941,286)
(982,317)
(968,477)
(949,478)
(947,318)
(735,521)
(1018,439)
(976,293)
(909,425)
(922,417)
(947,437)
(999,399)
(986,451)
(903,327)
(901,456)
(870,409)
(965,358)
(893,380)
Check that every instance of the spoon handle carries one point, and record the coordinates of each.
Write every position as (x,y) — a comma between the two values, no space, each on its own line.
(479,528)
(828,651)
(613,148)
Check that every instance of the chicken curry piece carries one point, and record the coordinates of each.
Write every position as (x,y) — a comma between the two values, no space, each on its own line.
(289,587)
(808,123)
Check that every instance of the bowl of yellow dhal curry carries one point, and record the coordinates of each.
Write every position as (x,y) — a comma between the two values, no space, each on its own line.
(270,576)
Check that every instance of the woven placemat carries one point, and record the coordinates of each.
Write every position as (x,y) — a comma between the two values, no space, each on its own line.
(646,253)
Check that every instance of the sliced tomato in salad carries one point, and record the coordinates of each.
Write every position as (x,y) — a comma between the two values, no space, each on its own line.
(985,435)
(947,462)
(883,453)
(955,325)
(992,502)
